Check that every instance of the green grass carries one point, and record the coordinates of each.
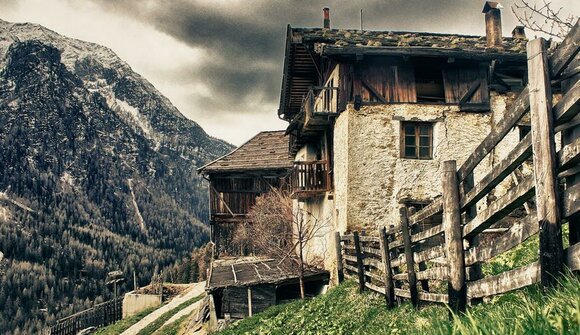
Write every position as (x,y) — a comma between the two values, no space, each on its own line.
(343,311)
(155,325)
(122,325)
(172,328)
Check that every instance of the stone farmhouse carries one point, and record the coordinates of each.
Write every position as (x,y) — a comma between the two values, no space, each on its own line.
(371,114)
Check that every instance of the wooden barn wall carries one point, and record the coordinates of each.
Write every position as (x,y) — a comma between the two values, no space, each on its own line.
(238,194)
(235,300)
(458,80)
(394,79)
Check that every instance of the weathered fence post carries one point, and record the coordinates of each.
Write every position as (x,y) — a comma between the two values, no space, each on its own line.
(544,156)
(411,276)
(457,289)
(359,262)
(422,265)
(338,247)
(389,287)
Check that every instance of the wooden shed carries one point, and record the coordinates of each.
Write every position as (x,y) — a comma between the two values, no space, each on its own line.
(238,178)
(243,286)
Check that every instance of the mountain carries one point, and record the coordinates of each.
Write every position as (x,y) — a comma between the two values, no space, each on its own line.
(97,173)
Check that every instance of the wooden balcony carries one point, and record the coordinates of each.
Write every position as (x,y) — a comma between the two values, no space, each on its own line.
(310,179)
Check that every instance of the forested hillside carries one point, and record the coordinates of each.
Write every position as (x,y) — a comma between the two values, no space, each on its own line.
(97,173)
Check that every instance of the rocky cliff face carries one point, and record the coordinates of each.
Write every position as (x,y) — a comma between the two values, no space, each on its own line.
(97,173)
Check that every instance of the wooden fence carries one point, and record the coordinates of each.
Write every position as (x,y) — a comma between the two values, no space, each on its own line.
(100,315)
(437,254)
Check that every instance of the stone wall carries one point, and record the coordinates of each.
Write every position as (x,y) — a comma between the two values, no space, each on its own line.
(375,180)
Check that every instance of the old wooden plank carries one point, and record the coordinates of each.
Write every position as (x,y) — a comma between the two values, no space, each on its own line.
(427,233)
(431,253)
(453,237)
(505,282)
(373,251)
(571,201)
(437,273)
(338,253)
(388,273)
(427,212)
(374,276)
(396,244)
(398,261)
(565,52)
(521,152)
(434,297)
(375,288)
(399,292)
(359,263)
(569,155)
(408,255)
(350,258)
(373,262)
(567,108)
(422,265)
(373,239)
(350,268)
(573,257)
(518,233)
(401,276)
(504,126)
(498,209)
(545,162)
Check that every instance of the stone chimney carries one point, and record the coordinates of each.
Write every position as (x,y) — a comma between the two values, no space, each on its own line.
(326,16)
(519,33)
(493,24)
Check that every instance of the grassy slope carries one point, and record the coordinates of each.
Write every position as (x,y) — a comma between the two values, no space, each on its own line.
(122,325)
(343,311)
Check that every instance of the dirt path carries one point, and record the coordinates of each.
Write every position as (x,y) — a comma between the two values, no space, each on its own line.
(196,290)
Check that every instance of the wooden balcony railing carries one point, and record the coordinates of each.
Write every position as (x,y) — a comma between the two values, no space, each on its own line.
(310,178)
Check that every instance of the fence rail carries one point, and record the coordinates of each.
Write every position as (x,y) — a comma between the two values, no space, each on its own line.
(100,315)
(436,253)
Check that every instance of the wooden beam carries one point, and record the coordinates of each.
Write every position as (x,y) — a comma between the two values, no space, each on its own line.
(545,160)
(409,255)
(453,239)
(249,301)
(567,108)
(498,209)
(573,257)
(428,211)
(571,202)
(472,89)
(505,282)
(338,250)
(515,158)
(566,51)
(504,126)
(388,272)
(359,262)
(518,233)
(373,90)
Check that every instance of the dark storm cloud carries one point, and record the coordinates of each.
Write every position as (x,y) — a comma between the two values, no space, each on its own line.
(244,41)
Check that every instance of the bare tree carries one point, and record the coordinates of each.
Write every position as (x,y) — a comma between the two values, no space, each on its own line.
(276,229)
(544,18)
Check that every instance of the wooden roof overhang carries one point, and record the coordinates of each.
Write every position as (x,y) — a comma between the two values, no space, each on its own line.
(300,74)
(358,52)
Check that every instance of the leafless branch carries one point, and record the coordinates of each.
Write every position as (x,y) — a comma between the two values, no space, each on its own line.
(544,18)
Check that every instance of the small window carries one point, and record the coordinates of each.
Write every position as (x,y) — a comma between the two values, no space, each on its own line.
(417,140)
(429,84)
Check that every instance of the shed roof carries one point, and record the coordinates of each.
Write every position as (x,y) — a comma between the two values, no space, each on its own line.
(252,270)
(268,150)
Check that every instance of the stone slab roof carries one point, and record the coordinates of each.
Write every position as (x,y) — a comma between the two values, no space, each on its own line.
(252,270)
(367,38)
(268,150)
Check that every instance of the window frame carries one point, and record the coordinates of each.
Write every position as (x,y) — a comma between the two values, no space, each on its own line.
(417,138)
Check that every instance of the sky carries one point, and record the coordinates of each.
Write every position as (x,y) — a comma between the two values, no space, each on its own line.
(220,61)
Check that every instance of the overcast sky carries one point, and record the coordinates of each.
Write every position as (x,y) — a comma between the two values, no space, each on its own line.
(220,61)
